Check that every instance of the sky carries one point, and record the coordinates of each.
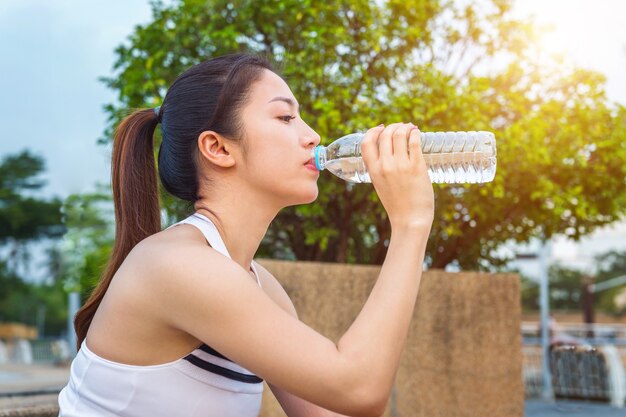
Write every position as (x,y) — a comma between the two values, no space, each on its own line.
(52,53)
(592,33)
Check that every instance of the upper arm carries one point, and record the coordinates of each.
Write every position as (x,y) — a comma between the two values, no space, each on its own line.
(275,290)
(212,298)
(292,405)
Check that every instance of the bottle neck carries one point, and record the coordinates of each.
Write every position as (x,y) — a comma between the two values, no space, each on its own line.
(319,156)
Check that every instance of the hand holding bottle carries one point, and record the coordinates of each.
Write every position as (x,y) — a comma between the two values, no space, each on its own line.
(399,174)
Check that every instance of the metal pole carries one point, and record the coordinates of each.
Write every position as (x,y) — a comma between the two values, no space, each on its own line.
(544,305)
(41,321)
(73,306)
(588,305)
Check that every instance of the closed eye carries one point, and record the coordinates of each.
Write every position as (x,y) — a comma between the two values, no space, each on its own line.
(287,118)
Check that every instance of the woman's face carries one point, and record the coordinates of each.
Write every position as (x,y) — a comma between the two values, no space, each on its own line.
(279,143)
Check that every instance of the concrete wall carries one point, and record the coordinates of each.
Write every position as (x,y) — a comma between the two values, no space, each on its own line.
(463,354)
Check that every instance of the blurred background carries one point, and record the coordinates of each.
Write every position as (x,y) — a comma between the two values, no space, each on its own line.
(548,77)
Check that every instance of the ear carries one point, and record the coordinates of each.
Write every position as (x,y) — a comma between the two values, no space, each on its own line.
(216,149)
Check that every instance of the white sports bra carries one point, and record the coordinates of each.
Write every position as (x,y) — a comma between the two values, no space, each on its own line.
(203,383)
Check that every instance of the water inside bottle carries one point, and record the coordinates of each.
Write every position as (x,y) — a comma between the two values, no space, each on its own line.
(350,169)
(443,168)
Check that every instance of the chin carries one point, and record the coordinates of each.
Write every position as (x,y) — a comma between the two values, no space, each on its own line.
(306,197)
(314,193)
(312,199)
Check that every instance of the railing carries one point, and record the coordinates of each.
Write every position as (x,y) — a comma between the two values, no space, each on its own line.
(50,351)
(595,333)
(586,362)
(35,351)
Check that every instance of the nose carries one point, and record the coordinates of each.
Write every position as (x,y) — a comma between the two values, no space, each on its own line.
(311,137)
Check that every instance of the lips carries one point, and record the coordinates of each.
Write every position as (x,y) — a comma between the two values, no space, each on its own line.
(310,164)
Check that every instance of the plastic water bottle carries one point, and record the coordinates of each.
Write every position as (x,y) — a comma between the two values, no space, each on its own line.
(451,157)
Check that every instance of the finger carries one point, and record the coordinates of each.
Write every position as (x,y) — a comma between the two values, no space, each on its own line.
(369,146)
(415,144)
(400,139)
(385,144)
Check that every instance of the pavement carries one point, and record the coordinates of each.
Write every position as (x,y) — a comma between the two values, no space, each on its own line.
(29,378)
(31,387)
(541,408)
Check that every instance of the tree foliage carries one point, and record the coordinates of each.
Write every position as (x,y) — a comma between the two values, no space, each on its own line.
(565,289)
(566,285)
(86,247)
(24,216)
(442,65)
(42,305)
(611,265)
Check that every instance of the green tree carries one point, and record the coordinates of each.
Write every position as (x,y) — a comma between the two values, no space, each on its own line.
(566,286)
(87,245)
(612,264)
(13,291)
(25,218)
(42,305)
(443,65)
(529,293)
(565,289)
(75,263)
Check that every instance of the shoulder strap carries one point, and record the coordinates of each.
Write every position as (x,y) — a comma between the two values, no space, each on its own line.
(212,235)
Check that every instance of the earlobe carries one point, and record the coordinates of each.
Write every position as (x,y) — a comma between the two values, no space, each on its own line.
(215,148)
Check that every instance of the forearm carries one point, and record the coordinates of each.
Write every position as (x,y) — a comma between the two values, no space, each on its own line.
(376,338)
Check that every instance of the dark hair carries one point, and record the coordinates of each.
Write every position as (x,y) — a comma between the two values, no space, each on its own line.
(207,96)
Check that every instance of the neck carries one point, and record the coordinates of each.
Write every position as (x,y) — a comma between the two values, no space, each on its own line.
(241,222)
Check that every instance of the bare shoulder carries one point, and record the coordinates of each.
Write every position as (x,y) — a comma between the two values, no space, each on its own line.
(275,290)
(177,256)
(174,259)
(177,259)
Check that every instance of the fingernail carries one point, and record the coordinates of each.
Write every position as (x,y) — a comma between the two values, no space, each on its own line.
(380,125)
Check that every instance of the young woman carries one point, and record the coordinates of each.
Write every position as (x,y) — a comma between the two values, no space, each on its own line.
(184,323)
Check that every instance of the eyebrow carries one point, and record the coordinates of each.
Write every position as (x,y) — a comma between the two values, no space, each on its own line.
(286,100)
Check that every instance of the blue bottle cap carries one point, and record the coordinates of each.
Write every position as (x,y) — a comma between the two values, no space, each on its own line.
(316,157)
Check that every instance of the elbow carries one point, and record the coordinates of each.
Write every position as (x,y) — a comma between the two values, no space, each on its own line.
(374,410)
(368,401)
(371,408)
(364,390)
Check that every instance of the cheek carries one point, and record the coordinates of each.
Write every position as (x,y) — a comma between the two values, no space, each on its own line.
(266,168)
(268,151)
(264,160)
(273,158)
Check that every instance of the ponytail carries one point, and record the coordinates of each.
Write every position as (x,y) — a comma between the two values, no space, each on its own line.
(136,201)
